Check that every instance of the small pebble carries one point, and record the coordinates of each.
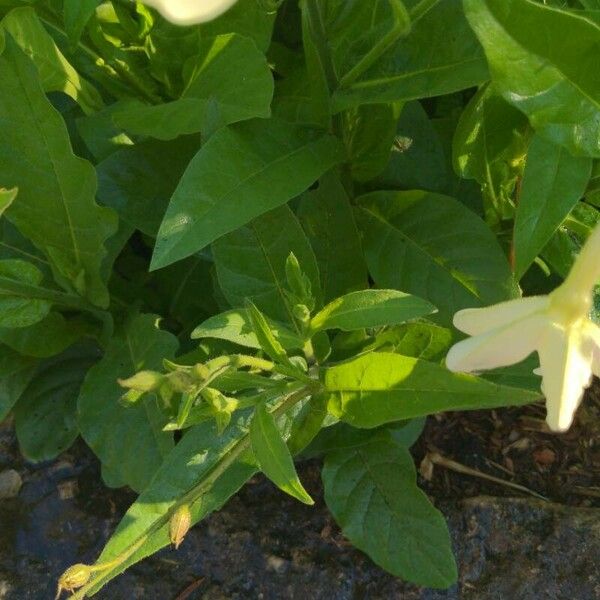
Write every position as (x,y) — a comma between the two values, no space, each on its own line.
(10,484)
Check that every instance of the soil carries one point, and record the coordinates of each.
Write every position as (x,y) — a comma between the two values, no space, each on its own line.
(265,546)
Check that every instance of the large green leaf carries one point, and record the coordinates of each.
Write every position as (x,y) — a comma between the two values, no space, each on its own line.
(328,221)
(46,413)
(553,182)
(56,208)
(489,146)
(128,440)
(138,181)
(370,308)
(251,262)
(55,72)
(16,372)
(273,455)
(242,172)
(235,326)
(433,247)
(17,310)
(453,59)
(228,81)
(372,492)
(48,337)
(543,61)
(379,388)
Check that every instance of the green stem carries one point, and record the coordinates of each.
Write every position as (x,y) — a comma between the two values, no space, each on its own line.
(421,9)
(195,493)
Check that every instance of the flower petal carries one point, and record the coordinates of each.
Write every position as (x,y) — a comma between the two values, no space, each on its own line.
(474,321)
(566,369)
(188,12)
(498,348)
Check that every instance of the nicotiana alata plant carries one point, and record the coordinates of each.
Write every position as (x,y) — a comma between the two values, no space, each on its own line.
(259,237)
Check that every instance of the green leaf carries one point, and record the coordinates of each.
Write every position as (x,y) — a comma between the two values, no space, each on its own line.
(129,441)
(553,183)
(327,219)
(16,310)
(453,60)
(417,160)
(215,94)
(369,136)
(243,171)
(267,340)
(51,336)
(56,208)
(234,326)
(419,340)
(307,423)
(194,458)
(273,456)
(138,181)
(489,146)
(542,61)
(55,72)
(433,247)
(251,262)
(6,198)
(46,413)
(370,308)
(76,14)
(379,388)
(371,491)
(16,372)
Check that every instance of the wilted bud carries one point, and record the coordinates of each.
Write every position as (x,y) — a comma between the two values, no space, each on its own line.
(180,381)
(73,578)
(144,381)
(302,313)
(180,524)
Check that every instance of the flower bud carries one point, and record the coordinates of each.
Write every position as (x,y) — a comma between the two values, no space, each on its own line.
(144,381)
(180,524)
(73,578)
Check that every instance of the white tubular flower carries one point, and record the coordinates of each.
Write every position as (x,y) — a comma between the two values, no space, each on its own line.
(557,326)
(190,12)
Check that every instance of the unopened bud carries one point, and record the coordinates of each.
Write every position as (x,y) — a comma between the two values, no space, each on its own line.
(144,381)
(301,312)
(180,381)
(180,524)
(73,578)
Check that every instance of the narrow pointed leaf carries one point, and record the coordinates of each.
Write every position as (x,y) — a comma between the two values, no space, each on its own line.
(273,455)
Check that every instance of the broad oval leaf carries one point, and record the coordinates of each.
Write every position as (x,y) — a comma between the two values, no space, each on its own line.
(128,440)
(453,60)
(46,413)
(235,326)
(56,208)
(371,491)
(370,308)
(251,262)
(553,183)
(242,172)
(18,310)
(433,247)
(544,61)
(379,388)
(273,455)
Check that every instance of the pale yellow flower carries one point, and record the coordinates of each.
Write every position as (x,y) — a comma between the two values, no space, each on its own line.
(557,326)
(189,12)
